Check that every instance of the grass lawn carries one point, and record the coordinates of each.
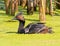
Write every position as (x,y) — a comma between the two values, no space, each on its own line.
(9,37)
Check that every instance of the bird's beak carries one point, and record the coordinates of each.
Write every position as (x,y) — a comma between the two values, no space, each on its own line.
(14,18)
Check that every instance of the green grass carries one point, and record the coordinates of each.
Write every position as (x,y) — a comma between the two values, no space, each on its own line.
(9,37)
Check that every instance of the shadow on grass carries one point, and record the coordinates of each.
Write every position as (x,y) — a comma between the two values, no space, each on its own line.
(31,19)
(17,33)
(10,21)
(2,14)
(12,32)
(56,14)
(5,15)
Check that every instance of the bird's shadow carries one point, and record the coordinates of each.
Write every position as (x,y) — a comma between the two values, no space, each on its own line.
(11,32)
(14,33)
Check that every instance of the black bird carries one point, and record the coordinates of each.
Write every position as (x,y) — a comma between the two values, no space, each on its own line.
(31,28)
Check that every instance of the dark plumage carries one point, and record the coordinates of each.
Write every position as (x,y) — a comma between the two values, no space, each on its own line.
(32,27)
(37,28)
